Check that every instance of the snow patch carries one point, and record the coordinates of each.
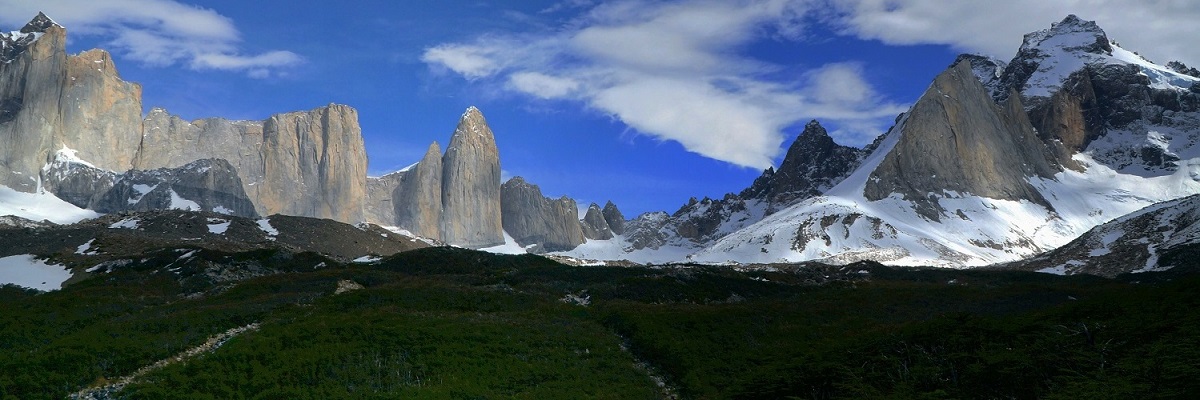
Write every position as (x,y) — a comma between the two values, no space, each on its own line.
(127,223)
(141,191)
(265,225)
(27,271)
(86,249)
(367,259)
(218,226)
(510,246)
(41,206)
(179,203)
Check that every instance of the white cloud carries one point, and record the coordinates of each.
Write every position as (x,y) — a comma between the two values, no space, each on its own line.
(1163,30)
(542,85)
(155,32)
(675,71)
(470,61)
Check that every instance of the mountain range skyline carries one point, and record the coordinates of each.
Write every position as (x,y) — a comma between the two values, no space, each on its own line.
(260,70)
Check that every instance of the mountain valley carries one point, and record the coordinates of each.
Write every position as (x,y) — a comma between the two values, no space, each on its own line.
(1024,230)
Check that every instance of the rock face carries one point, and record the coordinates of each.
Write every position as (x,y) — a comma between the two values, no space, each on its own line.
(956,139)
(306,163)
(614,218)
(418,198)
(379,207)
(814,163)
(471,185)
(534,220)
(33,76)
(595,227)
(102,116)
(320,150)
(1079,87)
(202,185)
(302,163)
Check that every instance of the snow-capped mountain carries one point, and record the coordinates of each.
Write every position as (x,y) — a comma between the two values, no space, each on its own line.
(1158,237)
(813,164)
(975,175)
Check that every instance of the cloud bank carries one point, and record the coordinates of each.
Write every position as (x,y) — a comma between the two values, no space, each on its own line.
(1163,30)
(156,32)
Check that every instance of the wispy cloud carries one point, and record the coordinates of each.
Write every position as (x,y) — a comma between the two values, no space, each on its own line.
(674,71)
(1162,29)
(156,32)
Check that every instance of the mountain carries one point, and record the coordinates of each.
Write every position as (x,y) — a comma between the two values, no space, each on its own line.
(471,185)
(995,162)
(539,223)
(813,164)
(1156,238)
(308,163)
(452,197)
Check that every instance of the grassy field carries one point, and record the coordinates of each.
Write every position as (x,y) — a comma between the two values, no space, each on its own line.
(457,324)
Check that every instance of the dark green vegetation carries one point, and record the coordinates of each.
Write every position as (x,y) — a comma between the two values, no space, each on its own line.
(446,323)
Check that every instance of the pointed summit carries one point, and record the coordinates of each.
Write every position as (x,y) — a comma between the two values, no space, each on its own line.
(471,185)
(39,24)
(813,164)
(1070,34)
(418,198)
(614,218)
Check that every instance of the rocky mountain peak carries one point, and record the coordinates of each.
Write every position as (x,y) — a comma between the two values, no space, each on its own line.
(39,24)
(1072,33)
(471,185)
(813,164)
(539,223)
(614,218)
(595,227)
(956,139)
(13,44)
(987,69)
(418,198)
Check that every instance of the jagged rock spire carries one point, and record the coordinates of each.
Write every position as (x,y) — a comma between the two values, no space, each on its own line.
(39,23)
(418,198)
(471,185)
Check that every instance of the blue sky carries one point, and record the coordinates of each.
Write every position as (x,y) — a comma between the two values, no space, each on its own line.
(645,103)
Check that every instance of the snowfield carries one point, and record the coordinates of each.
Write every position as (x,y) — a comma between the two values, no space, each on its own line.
(26,271)
(41,206)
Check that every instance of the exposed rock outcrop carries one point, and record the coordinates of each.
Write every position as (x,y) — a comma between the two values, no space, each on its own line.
(202,185)
(379,207)
(595,227)
(307,163)
(957,140)
(302,163)
(102,114)
(534,220)
(314,164)
(33,73)
(1078,86)
(814,163)
(471,185)
(614,218)
(418,198)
